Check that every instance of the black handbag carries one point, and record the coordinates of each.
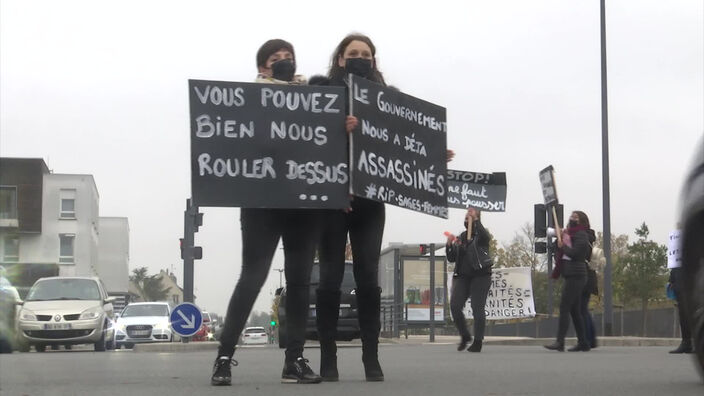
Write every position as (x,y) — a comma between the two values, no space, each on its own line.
(592,282)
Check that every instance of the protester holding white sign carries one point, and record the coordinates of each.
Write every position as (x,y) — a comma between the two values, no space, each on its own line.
(471,278)
(674,262)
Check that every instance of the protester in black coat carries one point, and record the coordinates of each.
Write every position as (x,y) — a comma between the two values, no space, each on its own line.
(571,257)
(262,228)
(364,222)
(471,278)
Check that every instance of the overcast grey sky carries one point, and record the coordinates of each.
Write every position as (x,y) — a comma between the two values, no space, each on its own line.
(101,88)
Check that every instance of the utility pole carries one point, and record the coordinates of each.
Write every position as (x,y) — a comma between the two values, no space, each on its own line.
(608,304)
(432,292)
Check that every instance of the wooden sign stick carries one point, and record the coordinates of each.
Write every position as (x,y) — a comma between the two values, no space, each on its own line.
(558,230)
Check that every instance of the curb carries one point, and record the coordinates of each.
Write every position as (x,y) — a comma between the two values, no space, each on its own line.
(440,340)
(521,341)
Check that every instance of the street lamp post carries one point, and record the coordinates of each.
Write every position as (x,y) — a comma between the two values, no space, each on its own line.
(608,314)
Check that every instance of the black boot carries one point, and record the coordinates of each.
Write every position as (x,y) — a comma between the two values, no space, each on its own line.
(476,346)
(327,307)
(368,307)
(685,347)
(580,347)
(463,343)
(556,346)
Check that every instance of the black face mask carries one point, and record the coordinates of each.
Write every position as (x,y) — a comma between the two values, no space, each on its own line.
(283,70)
(359,66)
(466,224)
(572,223)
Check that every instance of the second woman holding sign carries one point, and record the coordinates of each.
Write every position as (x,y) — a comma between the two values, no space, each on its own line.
(471,278)
(364,221)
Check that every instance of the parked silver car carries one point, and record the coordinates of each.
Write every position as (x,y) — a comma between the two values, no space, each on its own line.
(66,311)
(144,322)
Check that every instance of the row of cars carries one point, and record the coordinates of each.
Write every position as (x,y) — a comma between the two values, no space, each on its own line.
(77,310)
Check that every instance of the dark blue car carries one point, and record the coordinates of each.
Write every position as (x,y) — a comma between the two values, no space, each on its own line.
(347,325)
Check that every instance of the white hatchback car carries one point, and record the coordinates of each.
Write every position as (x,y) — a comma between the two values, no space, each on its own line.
(66,311)
(254,335)
(144,322)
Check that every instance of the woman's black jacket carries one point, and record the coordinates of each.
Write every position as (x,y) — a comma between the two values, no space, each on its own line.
(457,251)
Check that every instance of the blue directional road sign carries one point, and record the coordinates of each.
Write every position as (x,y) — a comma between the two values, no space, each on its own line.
(186,319)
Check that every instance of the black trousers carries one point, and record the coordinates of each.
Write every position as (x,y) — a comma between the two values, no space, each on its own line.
(261,231)
(682,311)
(365,225)
(570,305)
(476,288)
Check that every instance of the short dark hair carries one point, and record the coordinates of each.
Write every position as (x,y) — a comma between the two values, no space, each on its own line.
(336,72)
(271,47)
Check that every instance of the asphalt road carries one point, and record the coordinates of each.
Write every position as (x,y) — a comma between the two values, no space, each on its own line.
(427,370)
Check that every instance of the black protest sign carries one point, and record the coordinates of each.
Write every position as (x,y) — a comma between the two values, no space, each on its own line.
(399,149)
(547,183)
(268,146)
(484,191)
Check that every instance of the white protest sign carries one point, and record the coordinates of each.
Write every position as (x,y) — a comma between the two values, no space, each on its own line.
(510,295)
(674,250)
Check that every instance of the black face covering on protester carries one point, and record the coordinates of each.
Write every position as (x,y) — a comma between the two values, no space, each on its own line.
(359,66)
(283,70)
(572,223)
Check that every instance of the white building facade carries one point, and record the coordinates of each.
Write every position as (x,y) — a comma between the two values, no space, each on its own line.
(50,225)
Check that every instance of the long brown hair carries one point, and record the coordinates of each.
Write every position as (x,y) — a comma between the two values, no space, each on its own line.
(337,73)
(583,219)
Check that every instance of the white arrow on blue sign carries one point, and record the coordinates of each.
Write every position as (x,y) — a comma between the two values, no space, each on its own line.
(186,319)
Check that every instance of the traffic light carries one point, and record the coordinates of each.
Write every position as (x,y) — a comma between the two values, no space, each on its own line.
(540,224)
(541,247)
(197,252)
(193,252)
(559,208)
(272,323)
(197,220)
(424,249)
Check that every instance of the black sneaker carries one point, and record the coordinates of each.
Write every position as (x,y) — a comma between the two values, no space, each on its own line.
(298,372)
(221,371)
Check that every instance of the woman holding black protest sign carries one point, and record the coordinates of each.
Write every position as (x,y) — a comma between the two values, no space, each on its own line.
(471,278)
(364,221)
(261,230)
(571,262)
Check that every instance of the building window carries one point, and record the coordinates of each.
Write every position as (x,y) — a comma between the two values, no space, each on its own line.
(8,202)
(11,249)
(68,204)
(66,248)
(176,299)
